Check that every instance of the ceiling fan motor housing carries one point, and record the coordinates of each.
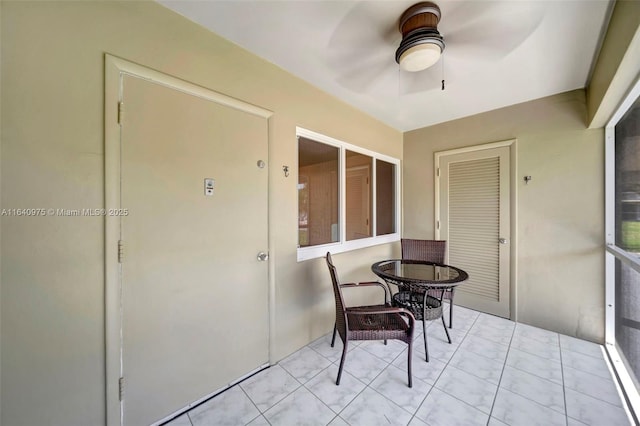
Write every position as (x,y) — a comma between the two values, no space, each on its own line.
(419,25)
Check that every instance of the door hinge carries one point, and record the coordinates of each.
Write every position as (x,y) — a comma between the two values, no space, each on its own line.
(120,112)
(437,224)
(121,388)
(438,172)
(120,251)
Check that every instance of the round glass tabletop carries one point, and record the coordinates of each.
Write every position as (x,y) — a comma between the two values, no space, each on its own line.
(418,272)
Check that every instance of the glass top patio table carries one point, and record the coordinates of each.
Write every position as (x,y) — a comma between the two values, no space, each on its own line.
(409,273)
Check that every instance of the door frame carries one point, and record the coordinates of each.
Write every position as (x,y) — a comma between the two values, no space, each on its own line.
(513,192)
(115,69)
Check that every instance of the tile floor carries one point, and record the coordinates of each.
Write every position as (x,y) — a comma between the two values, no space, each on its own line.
(495,373)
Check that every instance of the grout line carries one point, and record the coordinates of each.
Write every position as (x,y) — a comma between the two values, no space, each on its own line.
(564,388)
(446,364)
(504,365)
(254,404)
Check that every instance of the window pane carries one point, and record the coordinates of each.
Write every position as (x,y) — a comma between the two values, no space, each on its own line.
(627,179)
(358,195)
(385,198)
(627,326)
(317,193)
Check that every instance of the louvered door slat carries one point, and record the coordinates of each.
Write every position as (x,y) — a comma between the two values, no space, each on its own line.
(474,211)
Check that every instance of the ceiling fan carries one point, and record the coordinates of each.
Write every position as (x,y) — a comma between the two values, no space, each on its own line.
(421,44)
(361,48)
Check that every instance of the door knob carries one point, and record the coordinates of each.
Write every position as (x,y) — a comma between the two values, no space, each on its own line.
(502,240)
(262,256)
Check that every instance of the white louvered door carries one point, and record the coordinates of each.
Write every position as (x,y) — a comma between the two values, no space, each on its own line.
(474,217)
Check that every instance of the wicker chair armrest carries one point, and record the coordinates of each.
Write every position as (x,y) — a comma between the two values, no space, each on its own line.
(369,284)
(381,311)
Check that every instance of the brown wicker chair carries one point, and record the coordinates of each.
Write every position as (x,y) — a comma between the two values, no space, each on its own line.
(430,251)
(377,322)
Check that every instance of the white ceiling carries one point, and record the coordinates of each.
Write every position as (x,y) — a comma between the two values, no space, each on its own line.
(498,53)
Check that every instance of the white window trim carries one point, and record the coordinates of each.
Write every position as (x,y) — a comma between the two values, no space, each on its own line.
(313,252)
(613,253)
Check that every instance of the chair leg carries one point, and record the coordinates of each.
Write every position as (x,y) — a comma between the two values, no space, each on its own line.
(333,339)
(409,363)
(424,335)
(344,354)
(445,329)
(451,313)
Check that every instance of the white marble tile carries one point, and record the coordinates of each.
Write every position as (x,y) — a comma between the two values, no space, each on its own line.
(425,371)
(417,422)
(544,392)
(323,347)
(582,346)
(535,333)
(393,383)
(574,422)
(516,410)
(231,407)
(460,322)
(442,409)
(337,421)
(484,347)
(592,385)
(579,361)
(183,420)
(300,408)
(484,368)
(269,386)
(541,367)
(304,364)
(468,388)
(495,322)
(495,422)
(259,421)
(387,352)
(438,347)
(335,397)
(592,411)
(371,409)
(462,312)
(501,336)
(363,365)
(457,335)
(536,347)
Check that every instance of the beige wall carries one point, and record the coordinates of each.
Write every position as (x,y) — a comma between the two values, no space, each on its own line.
(52,294)
(559,282)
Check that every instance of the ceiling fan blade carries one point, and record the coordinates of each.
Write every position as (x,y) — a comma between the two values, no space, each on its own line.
(362,46)
(360,76)
(416,82)
(498,33)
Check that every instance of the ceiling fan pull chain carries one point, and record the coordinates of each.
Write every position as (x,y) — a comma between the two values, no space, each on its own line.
(442,72)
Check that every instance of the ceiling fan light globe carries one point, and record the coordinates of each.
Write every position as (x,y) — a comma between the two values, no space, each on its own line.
(420,57)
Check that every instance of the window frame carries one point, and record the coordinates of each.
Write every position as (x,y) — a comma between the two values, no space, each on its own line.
(342,245)
(614,252)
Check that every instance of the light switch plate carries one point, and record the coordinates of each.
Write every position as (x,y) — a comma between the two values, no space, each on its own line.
(208,186)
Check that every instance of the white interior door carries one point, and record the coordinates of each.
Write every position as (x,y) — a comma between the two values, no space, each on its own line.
(474,217)
(194,295)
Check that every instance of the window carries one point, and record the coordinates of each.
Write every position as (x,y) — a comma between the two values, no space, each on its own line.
(317,193)
(347,196)
(623,245)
